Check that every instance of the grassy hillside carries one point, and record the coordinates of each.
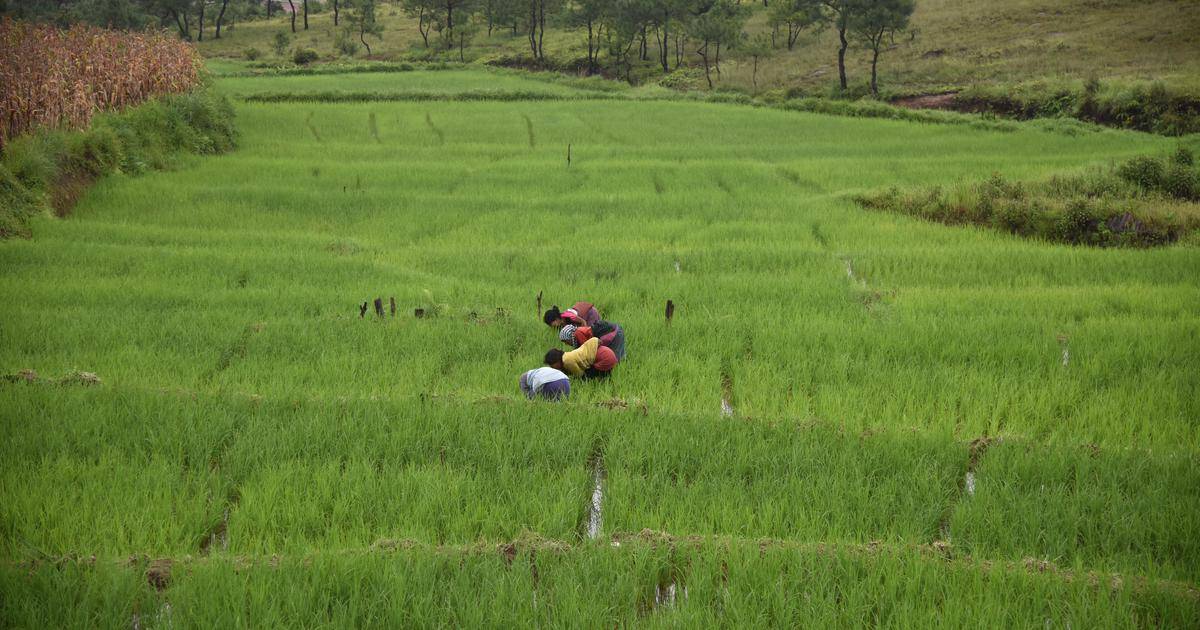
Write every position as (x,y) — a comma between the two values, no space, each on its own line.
(952,44)
(850,410)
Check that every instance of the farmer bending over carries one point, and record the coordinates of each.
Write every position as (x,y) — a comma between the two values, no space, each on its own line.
(582,314)
(545,382)
(590,360)
(610,334)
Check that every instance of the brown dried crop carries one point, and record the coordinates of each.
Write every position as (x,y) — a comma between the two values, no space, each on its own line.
(52,77)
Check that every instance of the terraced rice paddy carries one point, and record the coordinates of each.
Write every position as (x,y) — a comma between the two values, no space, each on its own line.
(923,424)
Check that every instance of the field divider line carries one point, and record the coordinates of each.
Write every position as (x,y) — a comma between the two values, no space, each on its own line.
(652,539)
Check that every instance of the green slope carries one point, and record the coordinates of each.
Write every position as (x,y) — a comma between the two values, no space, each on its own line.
(296,464)
(952,44)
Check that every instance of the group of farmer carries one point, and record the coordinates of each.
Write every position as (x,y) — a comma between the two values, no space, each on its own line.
(595,347)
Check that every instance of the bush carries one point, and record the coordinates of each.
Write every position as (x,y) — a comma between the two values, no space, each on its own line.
(996,187)
(1181,182)
(17,205)
(1151,107)
(1079,223)
(1183,156)
(344,43)
(281,42)
(1016,217)
(1175,178)
(684,79)
(1098,207)
(853,92)
(1144,171)
(30,159)
(304,56)
(252,54)
(96,151)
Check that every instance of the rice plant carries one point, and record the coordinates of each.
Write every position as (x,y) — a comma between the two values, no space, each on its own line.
(851,418)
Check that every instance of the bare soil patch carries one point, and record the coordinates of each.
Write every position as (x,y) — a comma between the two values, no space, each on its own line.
(927,101)
(69,190)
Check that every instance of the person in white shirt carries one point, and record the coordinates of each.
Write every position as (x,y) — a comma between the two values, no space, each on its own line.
(545,382)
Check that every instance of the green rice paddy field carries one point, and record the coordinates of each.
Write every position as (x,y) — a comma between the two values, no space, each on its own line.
(854,418)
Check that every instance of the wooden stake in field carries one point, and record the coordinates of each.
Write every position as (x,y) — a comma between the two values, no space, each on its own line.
(393,300)
(568,154)
(539,304)
(670,311)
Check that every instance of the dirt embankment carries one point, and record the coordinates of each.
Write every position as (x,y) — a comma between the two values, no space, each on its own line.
(928,101)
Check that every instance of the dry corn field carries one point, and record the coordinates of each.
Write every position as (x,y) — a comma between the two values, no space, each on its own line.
(56,77)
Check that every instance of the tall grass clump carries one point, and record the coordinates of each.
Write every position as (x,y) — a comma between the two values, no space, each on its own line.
(62,77)
(1143,202)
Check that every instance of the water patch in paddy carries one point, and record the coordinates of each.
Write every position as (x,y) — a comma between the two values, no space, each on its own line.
(595,515)
(726,394)
(595,508)
(668,591)
(162,618)
(218,536)
(1066,351)
(664,596)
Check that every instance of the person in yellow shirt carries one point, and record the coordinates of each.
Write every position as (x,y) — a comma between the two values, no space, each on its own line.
(589,360)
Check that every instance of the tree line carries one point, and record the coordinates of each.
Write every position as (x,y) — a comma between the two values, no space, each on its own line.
(619,33)
(623,31)
(192,19)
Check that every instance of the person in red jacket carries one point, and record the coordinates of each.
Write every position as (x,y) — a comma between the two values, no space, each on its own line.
(581,314)
(609,333)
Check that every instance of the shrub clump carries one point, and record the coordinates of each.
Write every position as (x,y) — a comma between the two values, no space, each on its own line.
(344,43)
(1143,171)
(1143,202)
(280,43)
(304,56)
(49,169)
(1181,182)
(1175,177)
(684,79)
(1152,107)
